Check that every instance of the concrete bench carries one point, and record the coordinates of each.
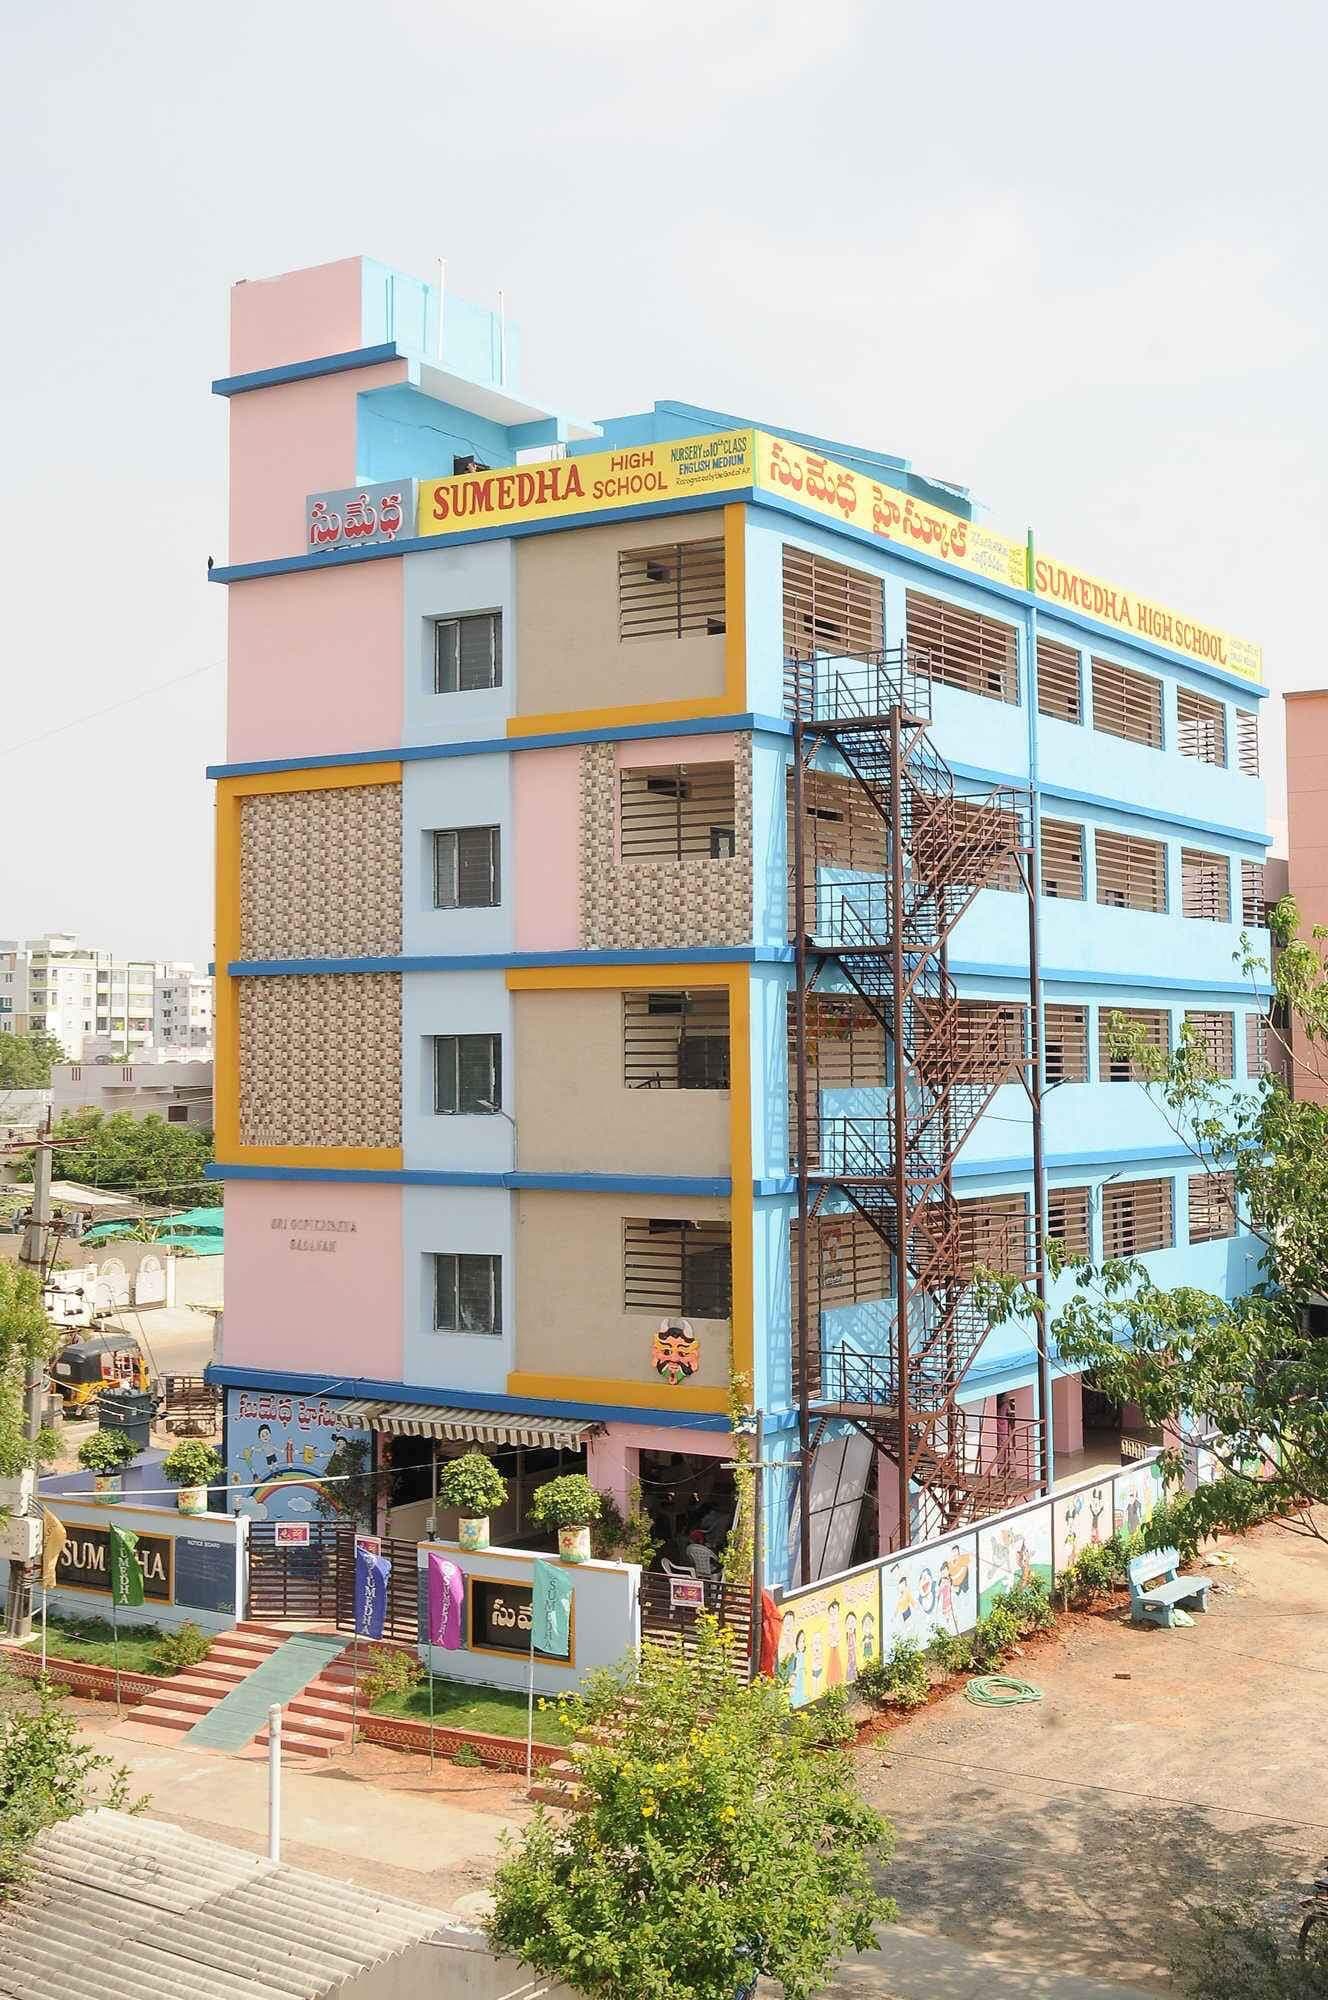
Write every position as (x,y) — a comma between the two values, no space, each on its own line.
(1156,1589)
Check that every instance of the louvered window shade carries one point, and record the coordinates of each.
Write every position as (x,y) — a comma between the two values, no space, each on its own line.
(963,648)
(1247,742)
(1063,860)
(1265,1053)
(676,1041)
(1252,909)
(1131,873)
(1115,1065)
(1215,1034)
(677,812)
(1065,1044)
(1127,704)
(829,608)
(1059,690)
(671,591)
(468,653)
(1136,1217)
(1201,727)
(1067,1219)
(994,1235)
(1212,1207)
(677,1267)
(990,1038)
(1205,885)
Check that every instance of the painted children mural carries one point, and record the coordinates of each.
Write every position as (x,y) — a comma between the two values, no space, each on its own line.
(276,1448)
(929,1592)
(1081,1520)
(1137,1493)
(1014,1552)
(827,1635)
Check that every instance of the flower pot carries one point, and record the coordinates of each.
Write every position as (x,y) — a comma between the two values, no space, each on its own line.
(473,1531)
(574,1545)
(192,1499)
(107,1488)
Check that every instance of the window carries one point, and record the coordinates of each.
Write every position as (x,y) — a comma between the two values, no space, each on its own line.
(1067,1219)
(829,609)
(465,868)
(1215,1034)
(1127,704)
(1247,742)
(672,591)
(850,1263)
(1065,1044)
(1264,1053)
(677,1267)
(679,812)
(964,840)
(1131,873)
(993,1233)
(1201,727)
(177,1114)
(963,648)
(676,1041)
(990,1041)
(1205,885)
(467,1293)
(1116,1025)
(1212,1207)
(1062,860)
(845,1041)
(1136,1216)
(468,653)
(467,1073)
(1059,692)
(1252,907)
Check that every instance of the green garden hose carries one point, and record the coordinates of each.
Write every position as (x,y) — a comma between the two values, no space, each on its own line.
(1001,1691)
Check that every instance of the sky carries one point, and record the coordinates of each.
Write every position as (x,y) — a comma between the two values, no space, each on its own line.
(1070,258)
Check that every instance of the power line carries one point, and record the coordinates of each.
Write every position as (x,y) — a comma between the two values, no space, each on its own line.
(95,714)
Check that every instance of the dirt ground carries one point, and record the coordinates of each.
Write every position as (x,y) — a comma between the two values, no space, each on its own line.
(1162,1769)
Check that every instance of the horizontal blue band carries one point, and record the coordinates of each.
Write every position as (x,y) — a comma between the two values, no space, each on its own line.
(359,1387)
(1144,982)
(785,1186)
(684,1184)
(498,961)
(301,371)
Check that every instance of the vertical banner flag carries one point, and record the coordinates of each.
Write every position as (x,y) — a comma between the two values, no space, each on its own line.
(53,1540)
(371,1574)
(446,1590)
(126,1573)
(551,1611)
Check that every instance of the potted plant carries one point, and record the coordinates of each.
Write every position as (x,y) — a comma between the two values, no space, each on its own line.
(107,1453)
(474,1486)
(193,1467)
(568,1504)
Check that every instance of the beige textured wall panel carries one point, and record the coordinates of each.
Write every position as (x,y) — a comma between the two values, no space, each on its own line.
(320,1060)
(577,1114)
(320,873)
(567,622)
(570,1317)
(652,905)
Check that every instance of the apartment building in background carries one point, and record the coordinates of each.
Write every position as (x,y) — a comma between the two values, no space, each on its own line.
(80,993)
(675,884)
(182,1007)
(13,988)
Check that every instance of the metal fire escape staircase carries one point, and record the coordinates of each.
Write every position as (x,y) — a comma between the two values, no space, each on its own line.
(888,937)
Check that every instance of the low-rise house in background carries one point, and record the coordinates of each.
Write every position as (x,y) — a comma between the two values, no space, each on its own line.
(156,1081)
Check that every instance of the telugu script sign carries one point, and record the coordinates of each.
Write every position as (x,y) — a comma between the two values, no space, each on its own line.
(359,517)
(500,1615)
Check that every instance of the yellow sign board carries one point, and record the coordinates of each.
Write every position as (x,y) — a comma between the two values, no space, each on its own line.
(637,476)
(1107,602)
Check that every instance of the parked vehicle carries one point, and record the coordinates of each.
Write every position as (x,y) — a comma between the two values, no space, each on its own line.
(82,1370)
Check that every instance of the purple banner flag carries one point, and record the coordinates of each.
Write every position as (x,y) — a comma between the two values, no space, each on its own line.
(447,1589)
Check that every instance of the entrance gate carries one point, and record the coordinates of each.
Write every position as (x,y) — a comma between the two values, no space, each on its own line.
(315,1581)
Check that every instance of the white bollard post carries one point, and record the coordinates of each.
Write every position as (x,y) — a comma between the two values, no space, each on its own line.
(274,1782)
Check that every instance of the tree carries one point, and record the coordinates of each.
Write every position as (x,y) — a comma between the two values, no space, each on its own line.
(719,1842)
(47,1773)
(162,1163)
(1238,1955)
(28,1341)
(25,1061)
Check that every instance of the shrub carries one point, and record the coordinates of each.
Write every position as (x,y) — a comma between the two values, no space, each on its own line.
(873,1682)
(192,1463)
(952,1651)
(569,1502)
(831,1721)
(1090,1577)
(1231,1504)
(1029,1606)
(628,1537)
(993,1638)
(182,1648)
(472,1484)
(1173,1525)
(48,1772)
(908,1677)
(390,1672)
(107,1451)
(466,1756)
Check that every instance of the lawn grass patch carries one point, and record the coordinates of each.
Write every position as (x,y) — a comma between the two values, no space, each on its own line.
(89,1641)
(492,1711)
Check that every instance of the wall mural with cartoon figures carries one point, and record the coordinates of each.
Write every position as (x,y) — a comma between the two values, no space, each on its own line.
(930,1591)
(1082,1520)
(829,1635)
(1137,1493)
(1016,1550)
(276,1449)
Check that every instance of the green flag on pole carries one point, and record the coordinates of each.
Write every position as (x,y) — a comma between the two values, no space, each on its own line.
(551,1611)
(126,1571)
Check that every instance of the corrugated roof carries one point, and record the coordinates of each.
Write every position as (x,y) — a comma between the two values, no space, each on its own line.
(431,1420)
(119,1908)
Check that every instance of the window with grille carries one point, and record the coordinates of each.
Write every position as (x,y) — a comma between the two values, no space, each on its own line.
(1062,860)
(1263,1056)
(1136,1217)
(1212,1207)
(1131,872)
(467,1073)
(467,1293)
(994,1235)
(677,1267)
(678,812)
(466,868)
(850,1263)
(989,1038)
(1127,704)
(676,1041)
(1065,1044)
(671,592)
(845,1042)
(964,840)
(1215,1034)
(1252,908)
(1201,727)
(963,648)
(468,652)
(1247,742)
(829,608)
(1205,885)
(1115,1026)
(1067,1219)
(1059,686)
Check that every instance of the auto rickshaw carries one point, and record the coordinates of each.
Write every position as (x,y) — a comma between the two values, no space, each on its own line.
(82,1370)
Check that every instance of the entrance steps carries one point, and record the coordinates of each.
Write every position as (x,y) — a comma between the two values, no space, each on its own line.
(314,1694)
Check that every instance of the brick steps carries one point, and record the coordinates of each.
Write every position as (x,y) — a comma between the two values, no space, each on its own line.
(316,1722)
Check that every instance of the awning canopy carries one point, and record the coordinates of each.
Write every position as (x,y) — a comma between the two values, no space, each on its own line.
(429,1420)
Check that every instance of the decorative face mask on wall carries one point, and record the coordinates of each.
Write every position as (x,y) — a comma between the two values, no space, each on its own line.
(675,1350)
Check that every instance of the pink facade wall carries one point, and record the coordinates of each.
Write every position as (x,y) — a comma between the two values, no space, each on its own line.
(652,750)
(314,1310)
(296,317)
(315,663)
(1067,1415)
(546,819)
